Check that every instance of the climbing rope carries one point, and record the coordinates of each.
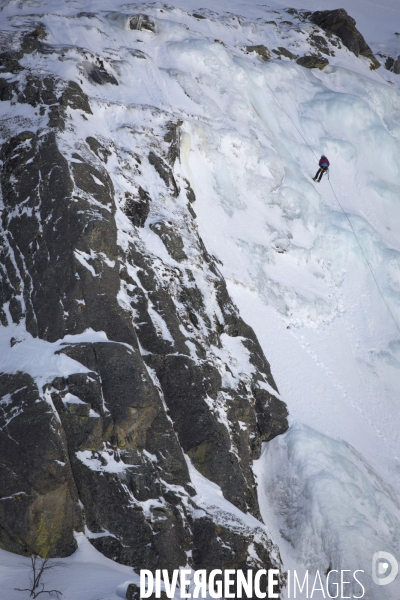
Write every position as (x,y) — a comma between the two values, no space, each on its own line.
(343,211)
(290,119)
(366,259)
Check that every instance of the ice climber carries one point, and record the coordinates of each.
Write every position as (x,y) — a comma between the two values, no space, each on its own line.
(323,168)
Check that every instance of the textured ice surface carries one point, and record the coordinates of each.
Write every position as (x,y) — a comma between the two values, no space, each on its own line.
(327,507)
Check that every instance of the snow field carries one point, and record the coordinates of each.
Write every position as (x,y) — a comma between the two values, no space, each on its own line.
(86,574)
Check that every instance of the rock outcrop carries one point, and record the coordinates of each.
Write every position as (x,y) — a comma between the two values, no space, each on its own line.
(313,62)
(392,64)
(340,23)
(261,50)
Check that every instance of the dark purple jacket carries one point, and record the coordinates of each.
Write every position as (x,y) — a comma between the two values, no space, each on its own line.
(323,162)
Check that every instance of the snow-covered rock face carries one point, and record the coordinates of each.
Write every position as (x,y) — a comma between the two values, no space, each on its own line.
(123,351)
(156,163)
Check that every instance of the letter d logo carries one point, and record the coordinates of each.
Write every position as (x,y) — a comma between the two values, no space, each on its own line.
(381,561)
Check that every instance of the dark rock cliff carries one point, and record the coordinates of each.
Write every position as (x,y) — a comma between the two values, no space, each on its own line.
(154,361)
(340,23)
